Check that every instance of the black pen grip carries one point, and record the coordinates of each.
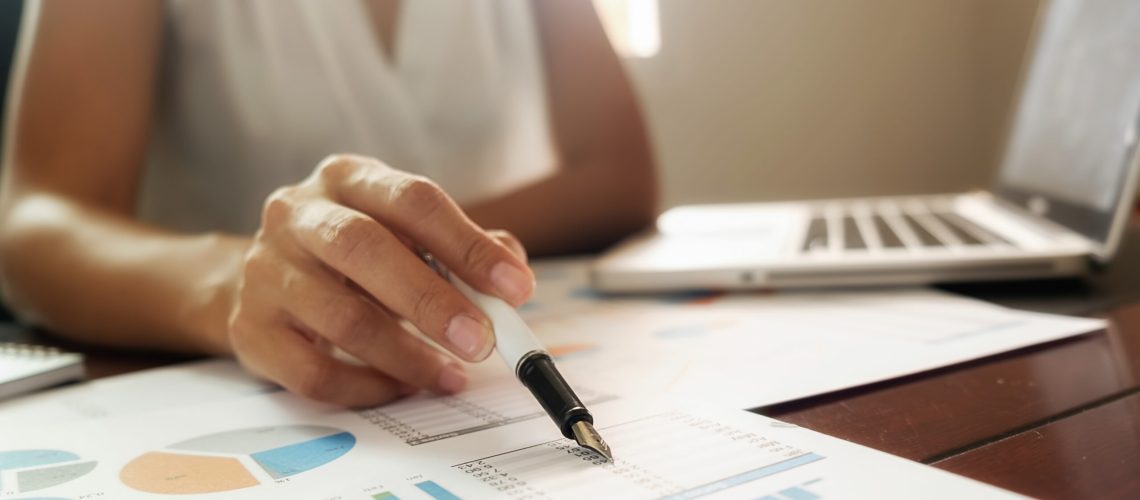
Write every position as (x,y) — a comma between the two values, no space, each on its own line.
(538,374)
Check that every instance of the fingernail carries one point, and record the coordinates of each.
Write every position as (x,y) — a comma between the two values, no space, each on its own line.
(513,284)
(452,379)
(468,335)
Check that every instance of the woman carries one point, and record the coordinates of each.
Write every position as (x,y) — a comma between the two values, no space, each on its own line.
(164,185)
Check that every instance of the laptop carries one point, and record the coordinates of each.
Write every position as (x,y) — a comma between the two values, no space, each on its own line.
(1058,207)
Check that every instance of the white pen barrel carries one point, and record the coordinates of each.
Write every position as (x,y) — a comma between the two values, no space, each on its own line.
(512,337)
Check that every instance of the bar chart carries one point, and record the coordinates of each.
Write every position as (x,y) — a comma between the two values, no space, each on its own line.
(802,491)
(417,489)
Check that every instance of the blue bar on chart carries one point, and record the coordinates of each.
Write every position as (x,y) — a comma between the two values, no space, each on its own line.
(798,493)
(436,491)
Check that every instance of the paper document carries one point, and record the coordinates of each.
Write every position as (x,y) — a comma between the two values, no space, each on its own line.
(181,385)
(750,350)
(738,350)
(491,442)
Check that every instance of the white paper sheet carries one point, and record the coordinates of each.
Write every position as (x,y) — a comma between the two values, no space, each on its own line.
(750,350)
(181,385)
(738,351)
(276,446)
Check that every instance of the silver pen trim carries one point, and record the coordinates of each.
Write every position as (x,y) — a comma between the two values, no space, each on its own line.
(522,360)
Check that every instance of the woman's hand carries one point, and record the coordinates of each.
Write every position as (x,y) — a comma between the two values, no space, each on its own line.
(334,265)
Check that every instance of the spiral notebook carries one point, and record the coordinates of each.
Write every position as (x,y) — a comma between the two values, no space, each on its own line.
(25,368)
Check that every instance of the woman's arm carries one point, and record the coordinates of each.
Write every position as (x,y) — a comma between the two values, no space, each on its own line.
(606,186)
(72,257)
(332,265)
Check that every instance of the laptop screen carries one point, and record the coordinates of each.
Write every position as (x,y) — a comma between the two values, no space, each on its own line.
(1073,141)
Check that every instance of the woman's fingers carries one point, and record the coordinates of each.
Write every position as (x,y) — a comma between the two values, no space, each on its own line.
(363,329)
(360,220)
(360,248)
(274,351)
(508,240)
(415,206)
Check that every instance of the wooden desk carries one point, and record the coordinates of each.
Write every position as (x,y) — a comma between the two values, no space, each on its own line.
(1059,420)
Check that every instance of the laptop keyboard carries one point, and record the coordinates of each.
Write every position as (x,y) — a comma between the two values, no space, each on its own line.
(973,234)
(924,235)
(852,238)
(860,226)
(816,238)
(887,236)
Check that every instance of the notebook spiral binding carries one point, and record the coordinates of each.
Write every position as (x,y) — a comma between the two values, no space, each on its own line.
(27,367)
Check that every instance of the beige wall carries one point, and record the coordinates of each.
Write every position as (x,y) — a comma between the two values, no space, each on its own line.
(778,99)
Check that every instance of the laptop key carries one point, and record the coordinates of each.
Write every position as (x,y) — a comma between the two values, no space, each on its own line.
(955,227)
(886,235)
(852,238)
(816,238)
(925,237)
(984,235)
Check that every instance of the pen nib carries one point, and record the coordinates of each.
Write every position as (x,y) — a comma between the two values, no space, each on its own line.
(587,437)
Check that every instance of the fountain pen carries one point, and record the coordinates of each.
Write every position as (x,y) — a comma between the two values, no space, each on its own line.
(533,366)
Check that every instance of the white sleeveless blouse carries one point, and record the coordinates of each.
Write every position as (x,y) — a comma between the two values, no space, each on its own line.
(253,93)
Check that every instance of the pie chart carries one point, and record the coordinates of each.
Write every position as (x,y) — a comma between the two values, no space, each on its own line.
(236,459)
(22,471)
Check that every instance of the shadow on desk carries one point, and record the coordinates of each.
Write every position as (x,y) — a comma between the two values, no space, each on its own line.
(5,315)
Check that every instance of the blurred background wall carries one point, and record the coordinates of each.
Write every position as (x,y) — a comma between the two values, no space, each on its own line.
(779,99)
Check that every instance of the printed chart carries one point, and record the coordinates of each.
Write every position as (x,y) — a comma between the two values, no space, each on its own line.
(235,459)
(495,404)
(673,455)
(803,491)
(436,491)
(22,471)
(419,488)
